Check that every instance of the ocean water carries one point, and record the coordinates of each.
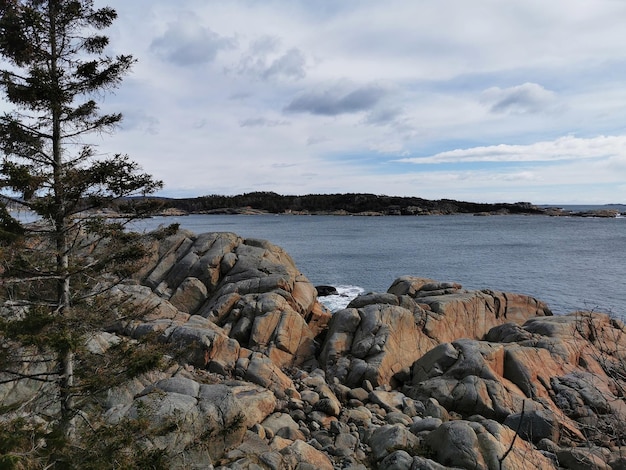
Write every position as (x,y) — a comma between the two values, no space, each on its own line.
(570,263)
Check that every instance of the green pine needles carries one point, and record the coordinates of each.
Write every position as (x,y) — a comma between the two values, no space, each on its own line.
(55,273)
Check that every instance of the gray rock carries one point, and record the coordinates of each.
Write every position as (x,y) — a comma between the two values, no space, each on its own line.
(277,421)
(422,463)
(390,401)
(389,438)
(359,394)
(291,434)
(360,416)
(180,385)
(347,442)
(189,296)
(455,444)
(398,460)
(433,409)
(535,425)
(328,403)
(425,424)
(397,417)
(581,458)
(299,454)
(181,270)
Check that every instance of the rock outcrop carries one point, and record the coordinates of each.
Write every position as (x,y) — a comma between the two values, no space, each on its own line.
(379,336)
(425,376)
(230,305)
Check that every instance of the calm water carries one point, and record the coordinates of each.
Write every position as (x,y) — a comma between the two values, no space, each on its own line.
(570,263)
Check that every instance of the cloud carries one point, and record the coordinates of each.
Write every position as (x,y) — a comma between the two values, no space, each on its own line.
(398,79)
(262,122)
(289,65)
(199,123)
(187,42)
(383,115)
(333,102)
(265,61)
(563,148)
(528,98)
(315,140)
(138,120)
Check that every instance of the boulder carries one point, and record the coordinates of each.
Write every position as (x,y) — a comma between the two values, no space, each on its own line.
(248,290)
(390,438)
(323,291)
(300,453)
(179,410)
(189,295)
(483,445)
(554,378)
(535,425)
(379,336)
(373,343)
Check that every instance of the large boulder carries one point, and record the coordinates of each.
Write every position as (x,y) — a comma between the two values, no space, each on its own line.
(484,445)
(375,343)
(379,336)
(250,293)
(558,378)
(183,415)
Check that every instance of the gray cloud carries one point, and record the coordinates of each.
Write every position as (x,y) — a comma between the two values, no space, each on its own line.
(383,116)
(264,60)
(334,102)
(528,98)
(190,43)
(262,122)
(290,65)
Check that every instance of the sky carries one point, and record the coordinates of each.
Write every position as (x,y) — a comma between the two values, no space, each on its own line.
(486,101)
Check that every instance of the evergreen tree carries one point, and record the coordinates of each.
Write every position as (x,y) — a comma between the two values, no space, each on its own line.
(54,66)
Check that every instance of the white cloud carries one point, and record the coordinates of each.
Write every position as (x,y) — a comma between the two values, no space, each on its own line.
(339,90)
(563,148)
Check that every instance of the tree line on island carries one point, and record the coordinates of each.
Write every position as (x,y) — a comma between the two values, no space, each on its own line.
(348,203)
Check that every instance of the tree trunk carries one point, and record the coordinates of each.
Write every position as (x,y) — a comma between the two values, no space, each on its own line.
(67,423)
(60,232)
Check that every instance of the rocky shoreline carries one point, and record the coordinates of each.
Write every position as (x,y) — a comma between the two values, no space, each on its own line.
(360,205)
(551,212)
(426,375)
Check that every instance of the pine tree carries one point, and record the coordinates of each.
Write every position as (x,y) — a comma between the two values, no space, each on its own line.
(54,67)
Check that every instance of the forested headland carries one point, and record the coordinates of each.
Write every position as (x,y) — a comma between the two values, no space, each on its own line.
(349,203)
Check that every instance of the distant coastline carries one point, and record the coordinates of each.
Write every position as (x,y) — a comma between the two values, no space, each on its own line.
(354,204)
(348,204)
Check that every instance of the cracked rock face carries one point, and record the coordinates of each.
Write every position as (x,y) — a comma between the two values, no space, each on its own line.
(424,376)
(379,336)
(233,305)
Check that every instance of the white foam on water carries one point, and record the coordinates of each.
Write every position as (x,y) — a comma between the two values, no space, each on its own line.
(342,298)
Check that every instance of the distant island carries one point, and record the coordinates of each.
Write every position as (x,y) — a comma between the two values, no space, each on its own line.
(354,204)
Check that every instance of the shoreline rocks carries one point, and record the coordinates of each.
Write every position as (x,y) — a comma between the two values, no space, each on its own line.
(426,375)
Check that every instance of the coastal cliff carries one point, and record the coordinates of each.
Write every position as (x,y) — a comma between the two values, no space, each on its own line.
(427,375)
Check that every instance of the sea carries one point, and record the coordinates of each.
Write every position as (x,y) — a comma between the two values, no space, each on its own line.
(571,263)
